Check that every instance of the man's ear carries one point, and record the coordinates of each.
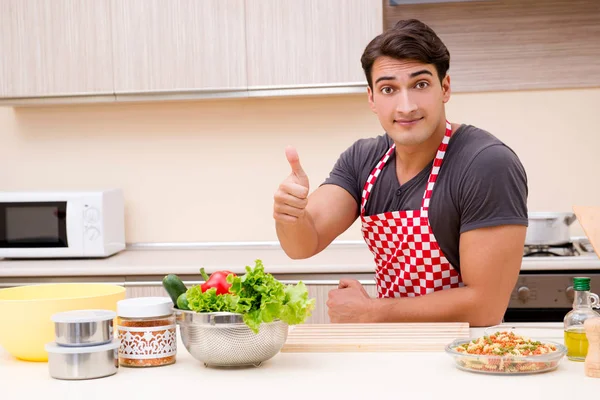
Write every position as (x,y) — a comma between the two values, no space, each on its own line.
(371,100)
(446,88)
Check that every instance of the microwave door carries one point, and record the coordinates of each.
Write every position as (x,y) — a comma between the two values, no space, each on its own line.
(26,225)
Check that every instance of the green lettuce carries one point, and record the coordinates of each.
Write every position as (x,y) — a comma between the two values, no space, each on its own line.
(296,306)
(258,296)
(209,301)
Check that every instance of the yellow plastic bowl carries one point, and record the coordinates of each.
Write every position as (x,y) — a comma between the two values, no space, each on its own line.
(26,311)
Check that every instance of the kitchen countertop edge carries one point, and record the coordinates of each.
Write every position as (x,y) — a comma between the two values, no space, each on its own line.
(335,260)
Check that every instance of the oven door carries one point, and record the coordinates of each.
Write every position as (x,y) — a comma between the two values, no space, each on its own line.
(540,296)
(535,314)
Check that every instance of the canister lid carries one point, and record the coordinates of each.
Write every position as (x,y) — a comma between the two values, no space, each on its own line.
(57,349)
(144,307)
(78,316)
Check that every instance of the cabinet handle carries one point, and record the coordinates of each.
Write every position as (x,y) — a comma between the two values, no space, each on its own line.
(394,3)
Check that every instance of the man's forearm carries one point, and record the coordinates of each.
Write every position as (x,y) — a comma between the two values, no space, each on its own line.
(452,305)
(299,240)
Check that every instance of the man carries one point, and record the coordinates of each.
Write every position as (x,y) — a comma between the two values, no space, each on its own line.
(443,206)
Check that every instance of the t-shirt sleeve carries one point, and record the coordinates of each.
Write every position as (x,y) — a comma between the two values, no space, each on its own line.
(345,173)
(493,190)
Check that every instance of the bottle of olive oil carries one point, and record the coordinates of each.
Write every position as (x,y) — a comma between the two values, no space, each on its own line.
(575,339)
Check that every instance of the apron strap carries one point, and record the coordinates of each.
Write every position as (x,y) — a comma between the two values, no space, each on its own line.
(435,169)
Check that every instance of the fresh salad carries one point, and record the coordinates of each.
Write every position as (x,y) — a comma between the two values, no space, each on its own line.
(257,295)
(507,352)
(505,343)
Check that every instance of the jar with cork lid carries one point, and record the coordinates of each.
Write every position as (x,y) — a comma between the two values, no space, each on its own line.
(146,331)
(576,341)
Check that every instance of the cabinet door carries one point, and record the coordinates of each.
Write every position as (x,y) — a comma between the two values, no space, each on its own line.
(133,290)
(179,45)
(309,42)
(55,48)
(320,293)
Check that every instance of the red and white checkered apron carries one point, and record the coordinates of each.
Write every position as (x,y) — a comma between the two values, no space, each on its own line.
(409,260)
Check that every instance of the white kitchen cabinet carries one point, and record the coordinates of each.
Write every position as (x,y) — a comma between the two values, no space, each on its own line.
(309,43)
(179,46)
(55,48)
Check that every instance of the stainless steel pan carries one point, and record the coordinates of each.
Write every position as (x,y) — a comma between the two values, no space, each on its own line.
(549,228)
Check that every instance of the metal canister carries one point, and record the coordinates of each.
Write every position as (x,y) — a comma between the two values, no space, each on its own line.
(83,327)
(89,362)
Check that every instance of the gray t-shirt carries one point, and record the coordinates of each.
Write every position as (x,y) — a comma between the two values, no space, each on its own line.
(481,184)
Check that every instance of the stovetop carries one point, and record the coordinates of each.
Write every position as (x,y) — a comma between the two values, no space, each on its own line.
(573,257)
(578,247)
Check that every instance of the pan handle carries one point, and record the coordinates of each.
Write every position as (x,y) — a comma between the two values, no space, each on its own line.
(570,219)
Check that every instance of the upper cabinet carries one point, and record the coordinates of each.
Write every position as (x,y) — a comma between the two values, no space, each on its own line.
(309,42)
(105,50)
(179,45)
(513,44)
(55,48)
(181,49)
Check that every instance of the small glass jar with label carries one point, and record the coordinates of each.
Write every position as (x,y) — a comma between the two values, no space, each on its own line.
(146,331)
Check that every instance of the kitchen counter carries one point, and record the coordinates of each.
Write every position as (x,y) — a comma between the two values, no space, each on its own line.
(338,258)
(400,375)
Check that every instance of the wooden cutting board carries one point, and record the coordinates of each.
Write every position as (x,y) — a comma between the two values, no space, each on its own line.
(325,338)
(589,219)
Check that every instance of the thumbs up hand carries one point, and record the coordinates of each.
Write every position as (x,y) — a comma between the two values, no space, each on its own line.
(291,197)
(297,172)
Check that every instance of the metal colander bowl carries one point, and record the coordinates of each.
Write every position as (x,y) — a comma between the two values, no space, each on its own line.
(222,339)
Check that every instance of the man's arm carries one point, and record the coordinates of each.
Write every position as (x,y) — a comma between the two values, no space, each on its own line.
(329,212)
(490,263)
(305,226)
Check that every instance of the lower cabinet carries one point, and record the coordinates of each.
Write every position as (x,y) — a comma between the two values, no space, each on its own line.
(132,291)
(318,291)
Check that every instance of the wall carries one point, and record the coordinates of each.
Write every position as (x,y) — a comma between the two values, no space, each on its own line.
(206,171)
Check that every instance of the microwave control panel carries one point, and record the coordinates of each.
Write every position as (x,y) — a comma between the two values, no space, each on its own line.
(92,227)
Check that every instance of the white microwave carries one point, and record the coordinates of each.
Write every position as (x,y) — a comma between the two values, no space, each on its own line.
(62,224)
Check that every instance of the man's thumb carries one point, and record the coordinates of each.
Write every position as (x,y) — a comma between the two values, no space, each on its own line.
(292,156)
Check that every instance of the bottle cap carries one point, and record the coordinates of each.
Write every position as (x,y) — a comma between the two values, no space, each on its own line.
(581,283)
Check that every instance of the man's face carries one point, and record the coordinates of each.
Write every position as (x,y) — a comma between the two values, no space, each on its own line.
(408,98)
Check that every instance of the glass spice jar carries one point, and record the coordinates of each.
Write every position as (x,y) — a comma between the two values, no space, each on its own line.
(146,332)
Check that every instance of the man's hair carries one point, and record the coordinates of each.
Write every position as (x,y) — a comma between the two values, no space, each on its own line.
(409,39)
